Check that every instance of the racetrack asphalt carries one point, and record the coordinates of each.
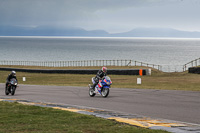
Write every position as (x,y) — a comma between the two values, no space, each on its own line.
(183,106)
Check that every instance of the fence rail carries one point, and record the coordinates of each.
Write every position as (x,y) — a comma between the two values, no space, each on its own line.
(85,63)
(82,63)
(193,63)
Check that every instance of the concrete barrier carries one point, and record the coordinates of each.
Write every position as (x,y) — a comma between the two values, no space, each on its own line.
(83,71)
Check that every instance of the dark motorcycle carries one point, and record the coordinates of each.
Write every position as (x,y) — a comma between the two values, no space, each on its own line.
(11,88)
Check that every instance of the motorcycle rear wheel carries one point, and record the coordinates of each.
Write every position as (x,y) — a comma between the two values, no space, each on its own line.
(91,92)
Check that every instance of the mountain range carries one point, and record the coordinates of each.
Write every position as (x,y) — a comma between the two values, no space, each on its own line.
(79,32)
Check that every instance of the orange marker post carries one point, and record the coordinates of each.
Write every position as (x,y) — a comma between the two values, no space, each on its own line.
(140,72)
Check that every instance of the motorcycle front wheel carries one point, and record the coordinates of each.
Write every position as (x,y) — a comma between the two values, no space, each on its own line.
(13,90)
(6,91)
(105,92)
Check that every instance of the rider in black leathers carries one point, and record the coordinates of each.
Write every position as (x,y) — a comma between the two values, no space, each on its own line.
(10,76)
(100,74)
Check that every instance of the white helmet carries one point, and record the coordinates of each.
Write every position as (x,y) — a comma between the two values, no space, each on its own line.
(104,69)
(13,73)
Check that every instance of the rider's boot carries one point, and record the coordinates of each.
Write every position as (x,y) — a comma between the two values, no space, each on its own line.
(93,87)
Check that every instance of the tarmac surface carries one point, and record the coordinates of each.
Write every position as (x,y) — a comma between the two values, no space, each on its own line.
(183,106)
(170,110)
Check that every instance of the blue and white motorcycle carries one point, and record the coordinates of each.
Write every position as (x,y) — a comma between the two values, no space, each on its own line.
(102,88)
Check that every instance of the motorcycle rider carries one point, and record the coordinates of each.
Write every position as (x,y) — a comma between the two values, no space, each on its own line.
(100,74)
(10,76)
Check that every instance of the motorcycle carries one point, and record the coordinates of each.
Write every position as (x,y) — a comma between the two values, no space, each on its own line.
(11,87)
(102,88)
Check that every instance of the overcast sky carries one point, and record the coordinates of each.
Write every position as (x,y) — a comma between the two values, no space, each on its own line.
(110,15)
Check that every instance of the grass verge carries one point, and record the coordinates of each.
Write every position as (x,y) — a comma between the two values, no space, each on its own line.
(158,80)
(17,118)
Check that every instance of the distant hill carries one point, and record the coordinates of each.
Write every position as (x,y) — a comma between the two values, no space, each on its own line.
(49,31)
(58,31)
(158,32)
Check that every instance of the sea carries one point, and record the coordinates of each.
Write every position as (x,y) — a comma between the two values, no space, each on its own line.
(170,53)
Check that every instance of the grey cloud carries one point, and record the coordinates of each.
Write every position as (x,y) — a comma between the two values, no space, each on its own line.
(35,8)
(99,14)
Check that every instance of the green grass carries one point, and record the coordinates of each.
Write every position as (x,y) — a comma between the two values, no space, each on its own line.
(18,118)
(158,80)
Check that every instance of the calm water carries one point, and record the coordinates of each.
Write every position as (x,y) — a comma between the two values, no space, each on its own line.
(165,52)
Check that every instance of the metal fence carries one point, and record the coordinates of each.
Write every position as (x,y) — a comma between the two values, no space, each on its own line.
(193,63)
(85,63)
(82,63)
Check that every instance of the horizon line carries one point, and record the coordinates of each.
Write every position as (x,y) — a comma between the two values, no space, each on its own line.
(104,37)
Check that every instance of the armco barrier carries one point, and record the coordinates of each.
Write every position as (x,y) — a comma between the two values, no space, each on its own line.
(194,70)
(83,71)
